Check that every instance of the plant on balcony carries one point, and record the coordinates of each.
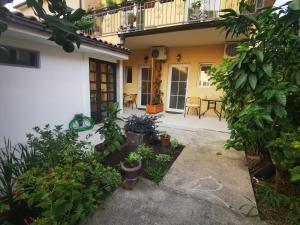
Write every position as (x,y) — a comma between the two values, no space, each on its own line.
(111,4)
(195,12)
(131,18)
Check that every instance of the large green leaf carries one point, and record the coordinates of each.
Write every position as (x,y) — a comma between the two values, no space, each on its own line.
(259,54)
(281,98)
(280,111)
(268,69)
(252,80)
(295,174)
(241,80)
(252,66)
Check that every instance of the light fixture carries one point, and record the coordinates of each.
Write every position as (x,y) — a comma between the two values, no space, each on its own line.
(146,59)
(178,57)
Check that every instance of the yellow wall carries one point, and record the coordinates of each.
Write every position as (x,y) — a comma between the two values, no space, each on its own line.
(192,56)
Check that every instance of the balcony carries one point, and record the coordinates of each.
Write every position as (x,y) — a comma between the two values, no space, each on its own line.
(156,14)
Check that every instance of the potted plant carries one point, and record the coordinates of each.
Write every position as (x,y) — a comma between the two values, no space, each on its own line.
(165,138)
(131,166)
(131,20)
(141,129)
(111,132)
(157,105)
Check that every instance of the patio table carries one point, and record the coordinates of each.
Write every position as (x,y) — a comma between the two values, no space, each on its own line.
(212,104)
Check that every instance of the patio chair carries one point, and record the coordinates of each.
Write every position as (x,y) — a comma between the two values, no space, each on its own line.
(130,99)
(194,103)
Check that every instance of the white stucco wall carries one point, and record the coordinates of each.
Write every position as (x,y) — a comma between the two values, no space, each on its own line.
(51,94)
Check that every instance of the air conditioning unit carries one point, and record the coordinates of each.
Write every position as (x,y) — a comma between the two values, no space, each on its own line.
(230,50)
(159,52)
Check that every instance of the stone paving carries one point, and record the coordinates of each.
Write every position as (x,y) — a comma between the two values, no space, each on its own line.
(205,185)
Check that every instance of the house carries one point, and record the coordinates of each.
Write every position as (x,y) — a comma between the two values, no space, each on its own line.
(41,84)
(181,37)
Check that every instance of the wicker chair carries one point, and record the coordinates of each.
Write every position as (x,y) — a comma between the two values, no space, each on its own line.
(129,99)
(194,103)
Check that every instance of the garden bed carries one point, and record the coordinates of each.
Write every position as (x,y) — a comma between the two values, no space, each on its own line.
(280,207)
(116,157)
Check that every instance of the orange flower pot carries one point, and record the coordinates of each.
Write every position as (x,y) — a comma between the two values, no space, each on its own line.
(153,109)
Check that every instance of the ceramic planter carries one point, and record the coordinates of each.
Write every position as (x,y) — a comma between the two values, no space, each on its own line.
(165,140)
(131,173)
(136,139)
(153,109)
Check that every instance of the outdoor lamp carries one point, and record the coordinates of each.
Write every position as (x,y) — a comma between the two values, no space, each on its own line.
(178,57)
(146,59)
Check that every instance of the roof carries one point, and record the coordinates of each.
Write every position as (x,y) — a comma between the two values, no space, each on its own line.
(34,23)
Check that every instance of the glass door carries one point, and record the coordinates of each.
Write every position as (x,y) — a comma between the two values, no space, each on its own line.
(144,86)
(102,88)
(177,87)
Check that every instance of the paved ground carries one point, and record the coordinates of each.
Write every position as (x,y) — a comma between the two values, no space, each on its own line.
(206,185)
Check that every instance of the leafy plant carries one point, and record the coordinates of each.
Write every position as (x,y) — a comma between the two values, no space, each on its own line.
(145,124)
(111,131)
(165,134)
(196,4)
(54,146)
(154,171)
(111,4)
(261,85)
(63,23)
(132,159)
(66,193)
(174,144)
(162,158)
(146,152)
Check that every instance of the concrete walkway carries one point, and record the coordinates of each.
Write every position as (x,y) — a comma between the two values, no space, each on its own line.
(206,185)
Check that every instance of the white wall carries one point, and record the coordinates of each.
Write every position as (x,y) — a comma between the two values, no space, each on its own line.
(35,97)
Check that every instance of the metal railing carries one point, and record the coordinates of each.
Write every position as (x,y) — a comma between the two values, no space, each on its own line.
(155,14)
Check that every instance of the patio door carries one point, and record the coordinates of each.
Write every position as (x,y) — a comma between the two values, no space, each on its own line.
(102,88)
(177,87)
(144,88)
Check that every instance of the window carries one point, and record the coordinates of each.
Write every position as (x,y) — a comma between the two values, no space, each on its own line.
(128,75)
(204,74)
(21,57)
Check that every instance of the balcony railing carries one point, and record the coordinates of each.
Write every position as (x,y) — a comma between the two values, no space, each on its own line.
(155,14)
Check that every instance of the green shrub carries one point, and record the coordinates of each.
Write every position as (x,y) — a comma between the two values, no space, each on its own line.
(67,193)
(162,158)
(145,152)
(154,171)
(174,144)
(111,132)
(54,176)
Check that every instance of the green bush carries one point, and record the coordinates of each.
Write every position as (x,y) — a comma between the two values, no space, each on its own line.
(67,193)
(261,85)
(54,176)
(154,171)
(146,152)
(111,132)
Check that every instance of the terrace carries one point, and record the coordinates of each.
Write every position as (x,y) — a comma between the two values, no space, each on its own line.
(132,17)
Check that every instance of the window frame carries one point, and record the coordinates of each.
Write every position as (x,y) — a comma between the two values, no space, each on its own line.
(199,82)
(126,74)
(38,58)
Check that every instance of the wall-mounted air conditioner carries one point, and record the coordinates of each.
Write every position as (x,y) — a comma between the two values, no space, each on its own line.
(159,52)
(230,50)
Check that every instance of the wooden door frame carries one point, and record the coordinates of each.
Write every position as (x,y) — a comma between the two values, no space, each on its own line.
(97,62)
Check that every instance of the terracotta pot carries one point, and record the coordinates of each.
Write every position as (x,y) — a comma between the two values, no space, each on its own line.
(165,141)
(153,109)
(131,173)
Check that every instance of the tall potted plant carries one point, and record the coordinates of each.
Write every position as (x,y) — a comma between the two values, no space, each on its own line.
(111,132)
(157,104)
